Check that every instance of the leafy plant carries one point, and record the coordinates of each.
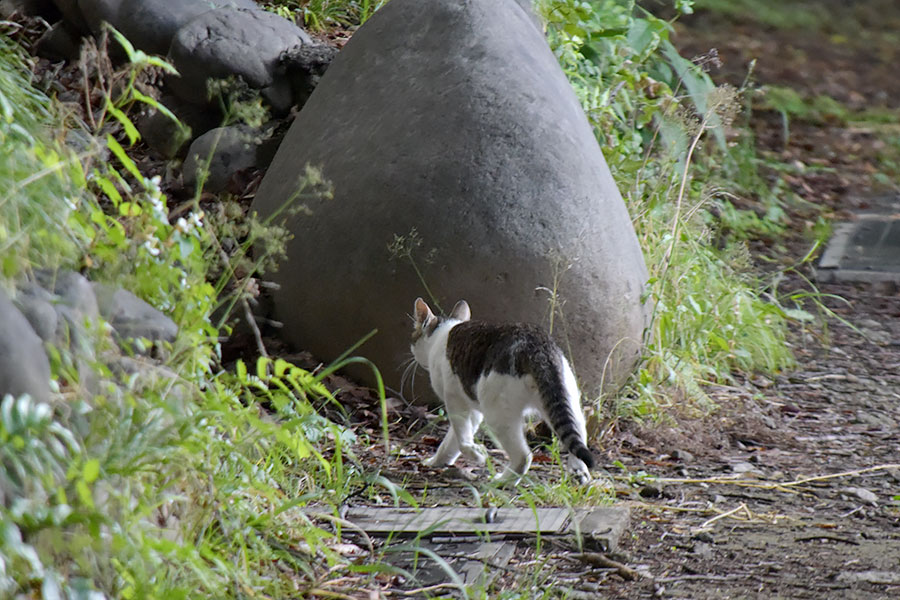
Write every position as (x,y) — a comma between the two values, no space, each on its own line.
(122,89)
(662,125)
(42,185)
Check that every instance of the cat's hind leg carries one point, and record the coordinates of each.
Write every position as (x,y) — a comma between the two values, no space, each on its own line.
(459,440)
(511,437)
(578,469)
(475,418)
(447,452)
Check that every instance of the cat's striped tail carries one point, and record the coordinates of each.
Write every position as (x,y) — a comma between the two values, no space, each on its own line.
(560,405)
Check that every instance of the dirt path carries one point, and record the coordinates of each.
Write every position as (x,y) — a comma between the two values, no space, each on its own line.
(788,492)
(799,501)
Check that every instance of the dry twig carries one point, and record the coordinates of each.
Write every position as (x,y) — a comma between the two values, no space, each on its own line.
(728,513)
(783,485)
(329,594)
(430,588)
(824,536)
(601,560)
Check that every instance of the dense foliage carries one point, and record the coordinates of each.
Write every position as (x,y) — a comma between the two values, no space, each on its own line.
(663,127)
(171,485)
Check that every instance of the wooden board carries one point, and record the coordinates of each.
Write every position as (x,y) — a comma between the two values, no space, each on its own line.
(381,521)
(457,535)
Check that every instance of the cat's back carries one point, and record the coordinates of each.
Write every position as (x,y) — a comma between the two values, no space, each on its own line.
(475,348)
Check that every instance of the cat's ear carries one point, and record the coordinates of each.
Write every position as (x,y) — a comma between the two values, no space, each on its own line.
(423,313)
(461,311)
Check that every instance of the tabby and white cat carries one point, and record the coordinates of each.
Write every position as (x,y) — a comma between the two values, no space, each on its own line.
(501,373)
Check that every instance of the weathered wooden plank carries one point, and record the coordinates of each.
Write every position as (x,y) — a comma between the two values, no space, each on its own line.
(377,521)
(455,534)
(865,249)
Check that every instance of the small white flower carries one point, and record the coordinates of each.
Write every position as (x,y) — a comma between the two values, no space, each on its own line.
(196,218)
(150,246)
(182,225)
(151,184)
(157,204)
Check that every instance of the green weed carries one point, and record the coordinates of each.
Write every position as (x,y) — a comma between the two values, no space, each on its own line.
(41,184)
(320,15)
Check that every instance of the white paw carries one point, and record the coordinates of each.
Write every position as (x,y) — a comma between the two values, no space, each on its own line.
(507,478)
(434,462)
(578,469)
(582,475)
(476,453)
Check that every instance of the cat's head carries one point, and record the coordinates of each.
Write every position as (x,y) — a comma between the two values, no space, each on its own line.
(425,323)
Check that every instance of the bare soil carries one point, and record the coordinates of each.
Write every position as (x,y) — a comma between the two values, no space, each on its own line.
(798,495)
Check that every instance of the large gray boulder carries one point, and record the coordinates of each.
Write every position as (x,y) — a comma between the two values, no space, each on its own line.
(96,12)
(163,135)
(24,368)
(73,290)
(60,42)
(77,313)
(72,14)
(131,317)
(450,124)
(32,8)
(221,152)
(151,24)
(37,305)
(245,42)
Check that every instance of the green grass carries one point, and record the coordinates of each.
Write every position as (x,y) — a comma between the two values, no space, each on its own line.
(40,184)
(794,106)
(321,15)
(773,13)
(872,23)
(819,109)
